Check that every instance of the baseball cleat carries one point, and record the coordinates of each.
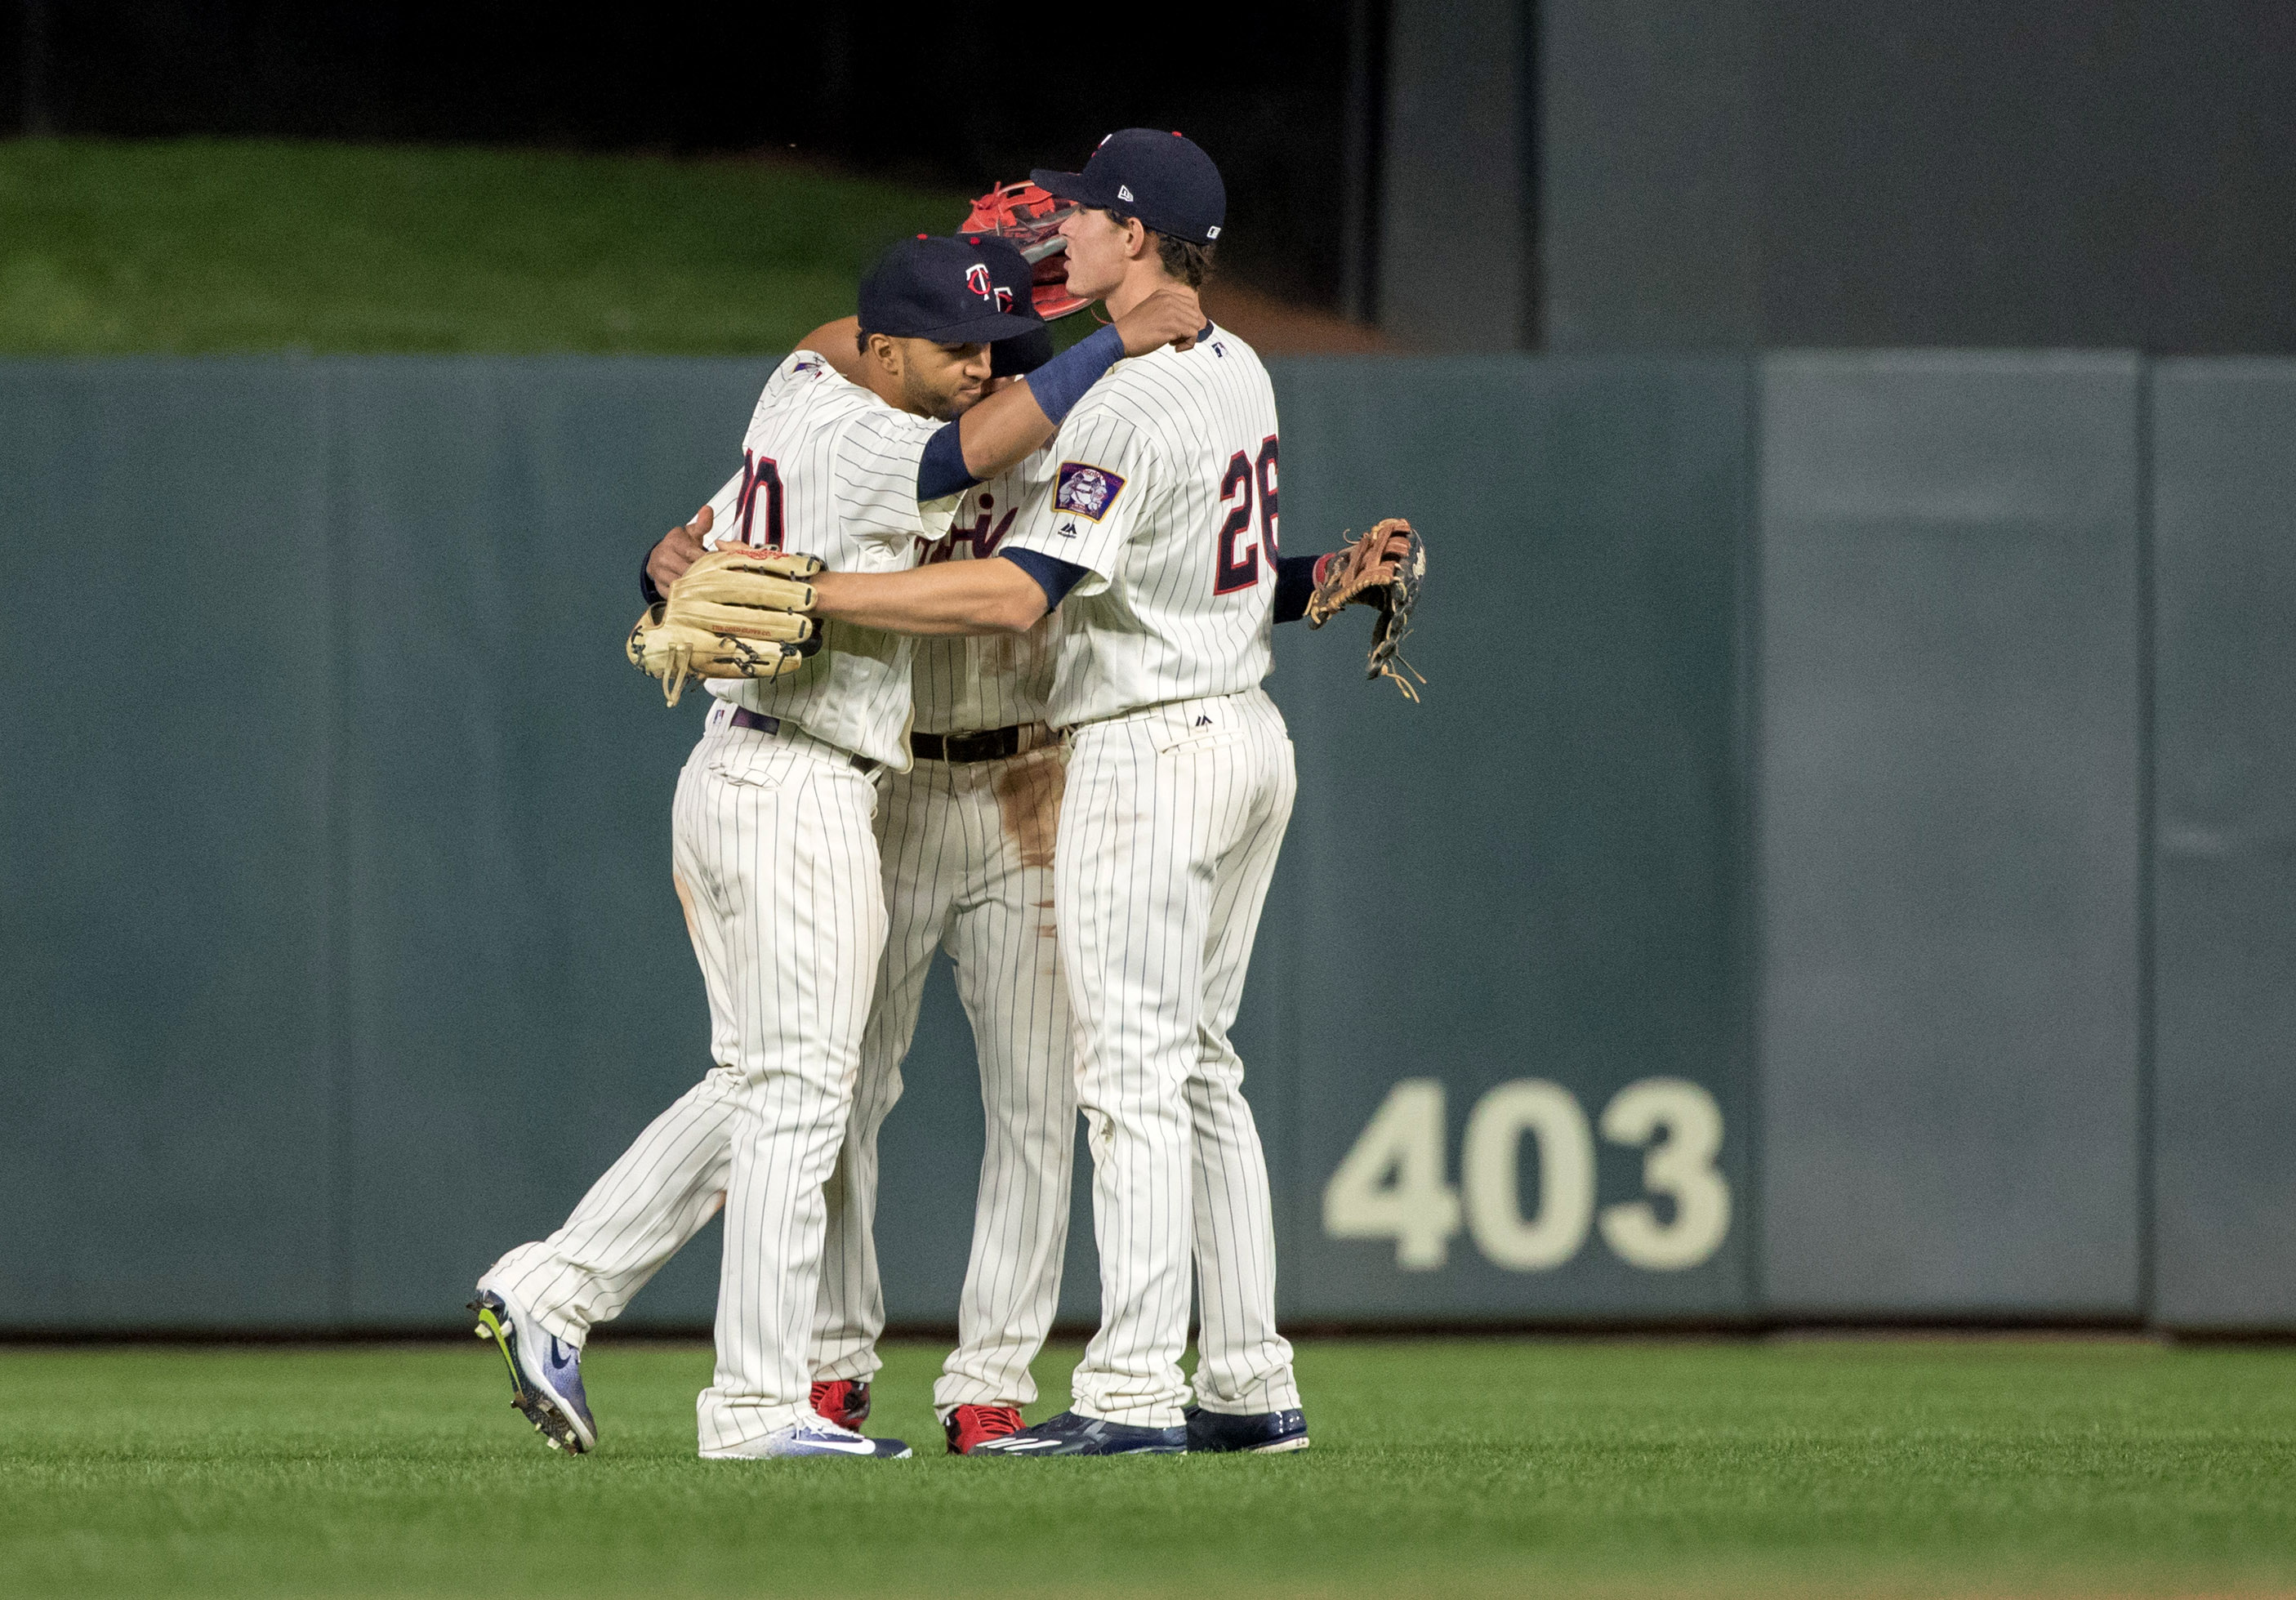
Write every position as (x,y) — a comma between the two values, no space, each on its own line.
(546,1373)
(842,1401)
(1264,1432)
(970,1426)
(818,1437)
(1072,1434)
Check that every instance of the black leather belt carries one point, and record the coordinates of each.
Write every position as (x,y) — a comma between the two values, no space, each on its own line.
(989,744)
(759,722)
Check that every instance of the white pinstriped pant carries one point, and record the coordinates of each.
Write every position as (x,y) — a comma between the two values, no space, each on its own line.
(1169,833)
(967,851)
(777,868)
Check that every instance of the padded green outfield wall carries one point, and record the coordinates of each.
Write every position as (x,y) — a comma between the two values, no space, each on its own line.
(1766,913)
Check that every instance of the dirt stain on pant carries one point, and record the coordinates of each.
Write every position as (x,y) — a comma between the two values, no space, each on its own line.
(1027,790)
(685,904)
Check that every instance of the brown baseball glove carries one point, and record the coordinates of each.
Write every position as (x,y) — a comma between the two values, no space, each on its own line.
(1382,570)
(736,612)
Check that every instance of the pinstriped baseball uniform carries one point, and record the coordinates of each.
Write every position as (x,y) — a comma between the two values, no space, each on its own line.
(967,849)
(777,866)
(1180,784)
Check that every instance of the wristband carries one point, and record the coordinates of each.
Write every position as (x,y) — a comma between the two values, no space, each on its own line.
(941,471)
(1061,381)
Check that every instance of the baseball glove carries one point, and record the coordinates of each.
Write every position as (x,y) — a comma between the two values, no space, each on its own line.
(1382,570)
(1031,219)
(736,612)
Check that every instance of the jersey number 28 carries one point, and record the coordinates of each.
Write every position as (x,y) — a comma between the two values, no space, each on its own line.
(1239,568)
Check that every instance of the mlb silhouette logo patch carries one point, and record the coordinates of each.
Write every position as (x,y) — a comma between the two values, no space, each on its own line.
(1086,490)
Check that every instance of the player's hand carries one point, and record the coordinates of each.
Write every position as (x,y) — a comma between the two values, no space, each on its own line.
(679,549)
(1171,315)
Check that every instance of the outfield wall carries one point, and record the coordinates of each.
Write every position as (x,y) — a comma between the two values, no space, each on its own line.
(1841,868)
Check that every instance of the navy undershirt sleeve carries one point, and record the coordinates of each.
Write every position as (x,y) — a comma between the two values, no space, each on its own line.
(941,471)
(1295,582)
(1054,576)
(654,596)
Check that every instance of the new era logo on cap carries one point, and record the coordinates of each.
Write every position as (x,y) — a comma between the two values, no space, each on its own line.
(1122,192)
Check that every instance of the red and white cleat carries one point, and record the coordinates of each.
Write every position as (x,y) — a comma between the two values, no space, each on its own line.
(842,1401)
(970,1425)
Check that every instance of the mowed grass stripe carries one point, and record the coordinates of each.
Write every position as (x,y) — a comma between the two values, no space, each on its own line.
(194,246)
(1444,1468)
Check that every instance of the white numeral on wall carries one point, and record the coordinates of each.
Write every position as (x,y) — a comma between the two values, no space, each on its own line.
(1680,1166)
(1488,1159)
(1393,1184)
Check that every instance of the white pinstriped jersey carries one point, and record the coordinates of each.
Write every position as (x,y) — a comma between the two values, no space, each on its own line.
(830,470)
(963,684)
(1164,489)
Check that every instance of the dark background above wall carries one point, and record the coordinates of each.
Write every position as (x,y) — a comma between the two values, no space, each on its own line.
(950,94)
(1468,174)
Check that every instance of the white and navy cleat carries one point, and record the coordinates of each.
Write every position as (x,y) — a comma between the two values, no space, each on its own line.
(814,1436)
(1071,1434)
(1263,1432)
(546,1373)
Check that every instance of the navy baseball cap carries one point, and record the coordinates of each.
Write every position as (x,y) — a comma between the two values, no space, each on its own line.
(1012,276)
(936,289)
(1163,180)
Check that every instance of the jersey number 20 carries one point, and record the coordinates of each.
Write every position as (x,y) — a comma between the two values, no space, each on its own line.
(761,480)
(1239,568)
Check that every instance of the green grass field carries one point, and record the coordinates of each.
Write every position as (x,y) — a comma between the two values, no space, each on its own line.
(1455,1469)
(203,245)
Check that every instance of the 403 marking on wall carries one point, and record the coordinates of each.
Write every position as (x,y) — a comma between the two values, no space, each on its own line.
(1393,1184)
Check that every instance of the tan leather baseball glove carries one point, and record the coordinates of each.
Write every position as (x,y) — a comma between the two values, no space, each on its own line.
(1382,570)
(735,612)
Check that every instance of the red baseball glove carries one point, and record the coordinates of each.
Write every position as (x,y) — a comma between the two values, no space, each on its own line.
(1031,219)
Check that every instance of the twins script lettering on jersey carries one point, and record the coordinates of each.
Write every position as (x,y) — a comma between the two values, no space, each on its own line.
(982,536)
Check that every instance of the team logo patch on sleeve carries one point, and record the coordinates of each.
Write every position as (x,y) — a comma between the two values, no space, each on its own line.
(1086,490)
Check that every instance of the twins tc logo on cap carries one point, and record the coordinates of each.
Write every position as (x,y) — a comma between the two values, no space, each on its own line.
(1088,491)
(976,278)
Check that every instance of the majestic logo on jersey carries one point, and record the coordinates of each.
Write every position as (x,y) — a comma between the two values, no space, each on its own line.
(1086,490)
(976,278)
(810,368)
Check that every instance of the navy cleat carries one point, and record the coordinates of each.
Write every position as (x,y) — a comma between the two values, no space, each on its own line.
(816,1437)
(1071,1434)
(546,1373)
(1265,1433)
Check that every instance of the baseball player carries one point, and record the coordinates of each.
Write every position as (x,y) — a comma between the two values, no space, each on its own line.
(966,841)
(776,860)
(1158,530)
